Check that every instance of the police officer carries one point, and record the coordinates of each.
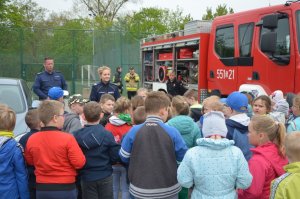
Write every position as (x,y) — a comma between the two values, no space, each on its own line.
(104,86)
(48,79)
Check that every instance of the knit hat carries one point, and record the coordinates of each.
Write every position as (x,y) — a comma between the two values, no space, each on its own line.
(77,98)
(214,124)
(55,93)
(238,102)
(276,96)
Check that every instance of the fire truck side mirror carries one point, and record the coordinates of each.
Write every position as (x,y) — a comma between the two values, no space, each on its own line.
(270,21)
(268,42)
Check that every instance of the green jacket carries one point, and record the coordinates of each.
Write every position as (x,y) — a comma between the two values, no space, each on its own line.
(287,185)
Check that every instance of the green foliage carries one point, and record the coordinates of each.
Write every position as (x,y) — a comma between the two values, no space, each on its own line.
(151,21)
(220,11)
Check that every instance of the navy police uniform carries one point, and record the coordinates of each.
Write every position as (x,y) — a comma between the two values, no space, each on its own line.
(44,81)
(101,88)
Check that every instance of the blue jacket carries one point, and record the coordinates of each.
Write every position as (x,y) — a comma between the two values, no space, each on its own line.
(153,148)
(100,150)
(44,81)
(101,88)
(30,168)
(294,125)
(13,174)
(188,129)
(239,133)
(215,168)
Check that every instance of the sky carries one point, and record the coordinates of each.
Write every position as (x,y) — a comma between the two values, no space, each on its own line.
(196,8)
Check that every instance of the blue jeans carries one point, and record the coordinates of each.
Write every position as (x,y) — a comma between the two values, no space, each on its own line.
(120,182)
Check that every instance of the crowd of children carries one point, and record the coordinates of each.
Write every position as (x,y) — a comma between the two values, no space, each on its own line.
(154,146)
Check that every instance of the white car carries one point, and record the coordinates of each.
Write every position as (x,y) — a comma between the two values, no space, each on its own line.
(16,94)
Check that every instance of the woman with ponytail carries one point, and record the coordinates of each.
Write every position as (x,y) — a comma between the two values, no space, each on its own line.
(268,159)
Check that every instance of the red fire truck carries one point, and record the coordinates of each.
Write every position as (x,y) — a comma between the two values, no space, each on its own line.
(256,50)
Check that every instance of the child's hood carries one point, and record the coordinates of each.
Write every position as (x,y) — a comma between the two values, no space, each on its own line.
(270,152)
(114,120)
(215,144)
(184,124)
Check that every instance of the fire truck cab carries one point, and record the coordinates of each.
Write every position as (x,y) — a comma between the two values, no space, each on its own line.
(256,50)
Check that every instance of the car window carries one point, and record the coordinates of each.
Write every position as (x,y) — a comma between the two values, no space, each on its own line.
(11,95)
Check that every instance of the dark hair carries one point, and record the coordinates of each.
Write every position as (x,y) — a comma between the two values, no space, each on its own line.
(48,58)
(139,115)
(267,101)
(289,98)
(32,119)
(155,101)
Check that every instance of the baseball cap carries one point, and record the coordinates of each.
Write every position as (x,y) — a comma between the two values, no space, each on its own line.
(77,98)
(55,93)
(237,101)
(131,68)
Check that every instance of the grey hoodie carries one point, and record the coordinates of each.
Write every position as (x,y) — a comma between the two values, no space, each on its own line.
(72,123)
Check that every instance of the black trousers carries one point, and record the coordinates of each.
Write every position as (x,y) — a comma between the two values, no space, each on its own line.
(131,94)
(98,189)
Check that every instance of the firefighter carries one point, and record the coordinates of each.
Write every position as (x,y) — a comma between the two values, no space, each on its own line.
(132,82)
(174,86)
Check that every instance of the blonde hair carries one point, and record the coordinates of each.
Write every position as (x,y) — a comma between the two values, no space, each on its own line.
(155,101)
(7,118)
(103,68)
(122,105)
(274,130)
(296,101)
(216,106)
(48,109)
(140,90)
(137,101)
(191,93)
(180,105)
(292,146)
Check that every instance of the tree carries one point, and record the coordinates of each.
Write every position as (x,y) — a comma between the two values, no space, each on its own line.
(151,21)
(104,9)
(220,11)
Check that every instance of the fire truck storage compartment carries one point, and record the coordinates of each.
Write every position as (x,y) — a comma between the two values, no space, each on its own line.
(185,53)
(165,56)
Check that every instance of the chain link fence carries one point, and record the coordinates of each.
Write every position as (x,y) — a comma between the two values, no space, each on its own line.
(22,52)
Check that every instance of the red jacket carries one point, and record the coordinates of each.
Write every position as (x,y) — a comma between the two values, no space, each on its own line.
(118,128)
(55,155)
(265,165)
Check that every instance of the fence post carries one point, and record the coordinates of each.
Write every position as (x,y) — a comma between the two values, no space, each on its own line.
(23,72)
(73,61)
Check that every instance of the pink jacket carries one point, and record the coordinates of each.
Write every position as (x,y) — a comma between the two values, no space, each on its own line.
(265,165)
